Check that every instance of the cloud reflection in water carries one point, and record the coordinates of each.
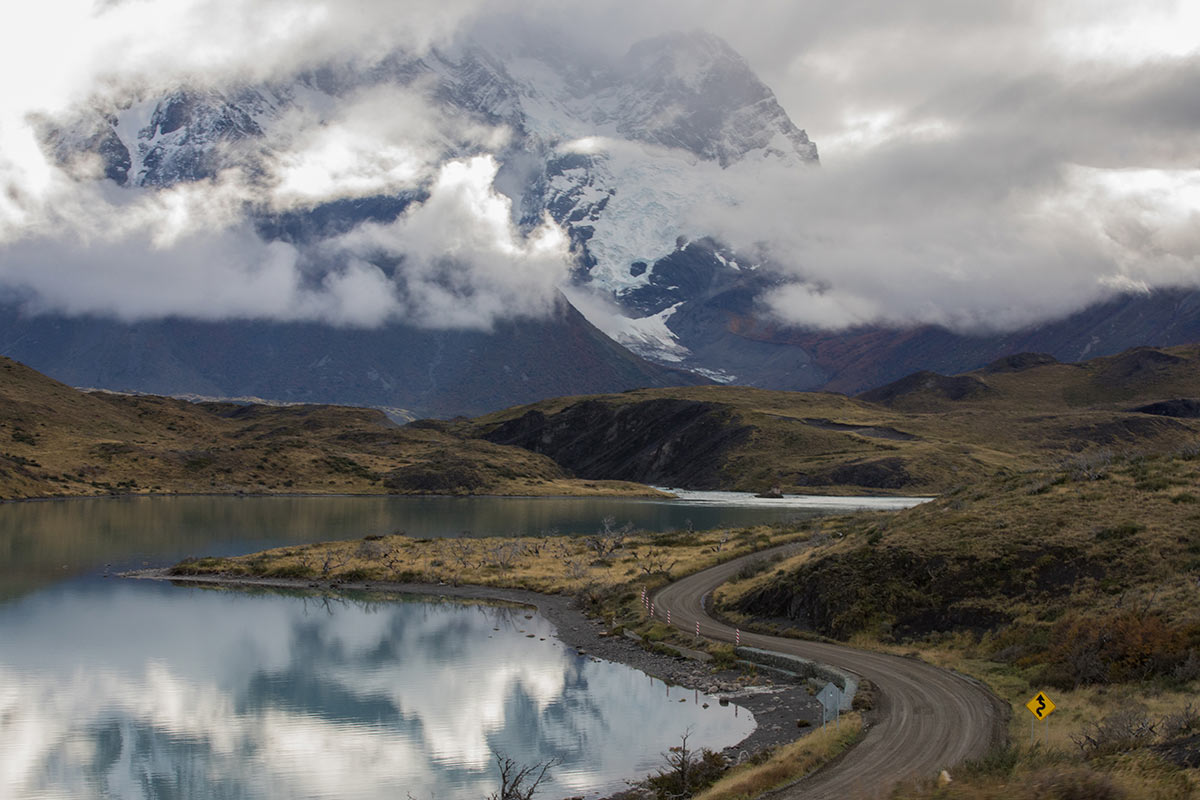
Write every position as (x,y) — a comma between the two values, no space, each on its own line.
(137,690)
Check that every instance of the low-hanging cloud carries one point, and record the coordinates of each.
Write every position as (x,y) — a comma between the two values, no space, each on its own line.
(455,260)
(73,244)
(983,167)
(465,264)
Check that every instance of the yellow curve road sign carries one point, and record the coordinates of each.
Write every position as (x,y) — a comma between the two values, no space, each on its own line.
(1040,706)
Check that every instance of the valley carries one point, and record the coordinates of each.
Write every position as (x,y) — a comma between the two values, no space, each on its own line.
(1057,555)
(621,401)
(924,434)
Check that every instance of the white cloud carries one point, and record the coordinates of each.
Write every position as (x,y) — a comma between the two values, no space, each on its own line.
(465,265)
(379,140)
(983,166)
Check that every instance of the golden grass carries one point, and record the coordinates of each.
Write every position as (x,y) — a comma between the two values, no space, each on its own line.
(1127,540)
(787,763)
(56,441)
(1028,419)
(552,564)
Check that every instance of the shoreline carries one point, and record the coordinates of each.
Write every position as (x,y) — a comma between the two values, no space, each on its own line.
(776,707)
(652,493)
(655,494)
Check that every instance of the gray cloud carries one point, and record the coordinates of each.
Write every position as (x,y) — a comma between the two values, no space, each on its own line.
(983,166)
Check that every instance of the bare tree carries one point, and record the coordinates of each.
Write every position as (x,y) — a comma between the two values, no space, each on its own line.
(463,552)
(609,538)
(576,567)
(503,555)
(333,560)
(654,562)
(519,781)
(686,771)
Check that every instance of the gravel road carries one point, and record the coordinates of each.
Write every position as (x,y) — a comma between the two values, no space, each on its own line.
(926,718)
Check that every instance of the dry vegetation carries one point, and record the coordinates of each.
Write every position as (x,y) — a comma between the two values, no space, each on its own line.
(1087,574)
(608,569)
(56,441)
(1083,581)
(786,764)
(925,434)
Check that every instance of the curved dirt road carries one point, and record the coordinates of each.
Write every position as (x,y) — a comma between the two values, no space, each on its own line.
(926,719)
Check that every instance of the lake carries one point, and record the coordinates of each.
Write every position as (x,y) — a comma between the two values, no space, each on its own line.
(134,689)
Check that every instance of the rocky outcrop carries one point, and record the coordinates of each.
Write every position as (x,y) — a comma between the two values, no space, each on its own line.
(665,442)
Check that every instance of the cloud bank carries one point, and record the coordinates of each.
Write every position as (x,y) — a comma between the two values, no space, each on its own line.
(73,244)
(982,167)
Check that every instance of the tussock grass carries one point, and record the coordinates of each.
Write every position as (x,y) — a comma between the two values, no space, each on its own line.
(551,564)
(787,763)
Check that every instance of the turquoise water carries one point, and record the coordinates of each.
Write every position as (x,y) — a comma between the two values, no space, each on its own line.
(116,688)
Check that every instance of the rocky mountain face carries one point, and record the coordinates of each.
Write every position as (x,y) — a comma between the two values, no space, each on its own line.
(615,153)
(408,371)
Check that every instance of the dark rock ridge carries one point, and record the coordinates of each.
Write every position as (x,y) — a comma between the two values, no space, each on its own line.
(921,386)
(1182,408)
(1020,362)
(865,358)
(665,442)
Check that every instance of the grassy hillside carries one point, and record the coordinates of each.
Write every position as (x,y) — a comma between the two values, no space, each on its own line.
(58,441)
(923,434)
(1033,565)
(1082,581)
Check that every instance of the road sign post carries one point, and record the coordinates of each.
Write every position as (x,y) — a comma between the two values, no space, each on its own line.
(830,697)
(1041,706)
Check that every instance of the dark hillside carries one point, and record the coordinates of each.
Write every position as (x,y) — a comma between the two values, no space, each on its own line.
(667,441)
(923,434)
(1087,573)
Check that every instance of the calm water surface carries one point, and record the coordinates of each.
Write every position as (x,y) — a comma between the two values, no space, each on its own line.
(136,689)
(112,688)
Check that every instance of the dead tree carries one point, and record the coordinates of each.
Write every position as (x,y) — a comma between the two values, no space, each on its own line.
(654,562)
(609,539)
(503,555)
(333,561)
(463,552)
(519,781)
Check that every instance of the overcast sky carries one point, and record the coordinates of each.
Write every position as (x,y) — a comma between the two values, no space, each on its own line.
(983,164)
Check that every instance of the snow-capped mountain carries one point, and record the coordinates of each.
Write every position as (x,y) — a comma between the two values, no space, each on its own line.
(617,156)
(617,153)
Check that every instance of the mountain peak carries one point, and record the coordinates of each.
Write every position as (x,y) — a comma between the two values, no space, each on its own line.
(693,90)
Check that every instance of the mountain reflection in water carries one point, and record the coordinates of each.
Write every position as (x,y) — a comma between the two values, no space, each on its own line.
(142,690)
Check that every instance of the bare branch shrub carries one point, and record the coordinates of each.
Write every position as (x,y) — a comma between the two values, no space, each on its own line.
(654,562)
(1120,732)
(519,781)
(609,538)
(462,551)
(332,561)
